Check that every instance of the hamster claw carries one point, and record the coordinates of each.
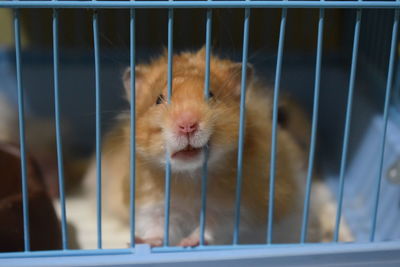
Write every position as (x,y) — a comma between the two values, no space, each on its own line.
(153,242)
(190,241)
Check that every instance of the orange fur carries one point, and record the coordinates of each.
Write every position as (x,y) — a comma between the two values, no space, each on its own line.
(220,114)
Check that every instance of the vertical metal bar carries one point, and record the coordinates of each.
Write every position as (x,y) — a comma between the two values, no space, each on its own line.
(304,227)
(385,120)
(274,125)
(133,124)
(241,125)
(168,163)
(347,123)
(206,95)
(98,122)
(21,121)
(58,131)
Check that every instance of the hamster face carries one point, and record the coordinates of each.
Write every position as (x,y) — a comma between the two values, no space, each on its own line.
(189,123)
(183,128)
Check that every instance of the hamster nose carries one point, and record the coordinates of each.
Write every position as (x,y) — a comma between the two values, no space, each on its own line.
(187,124)
(187,128)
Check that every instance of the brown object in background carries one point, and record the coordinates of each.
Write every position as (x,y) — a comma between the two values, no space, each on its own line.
(43,223)
(41,145)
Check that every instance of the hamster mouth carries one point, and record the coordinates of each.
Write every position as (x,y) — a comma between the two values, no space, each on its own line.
(187,153)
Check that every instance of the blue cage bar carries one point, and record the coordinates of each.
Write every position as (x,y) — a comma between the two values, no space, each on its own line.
(200,4)
(310,170)
(274,125)
(241,125)
(58,132)
(98,122)
(206,96)
(169,95)
(133,123)
(21,120)
(348,120)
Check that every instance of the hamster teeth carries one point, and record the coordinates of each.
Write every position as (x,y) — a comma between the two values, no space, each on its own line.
(189,148)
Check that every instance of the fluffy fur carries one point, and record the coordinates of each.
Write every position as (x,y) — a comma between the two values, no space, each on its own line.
(218,129)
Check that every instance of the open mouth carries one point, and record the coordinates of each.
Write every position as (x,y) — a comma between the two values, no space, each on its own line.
(187,153)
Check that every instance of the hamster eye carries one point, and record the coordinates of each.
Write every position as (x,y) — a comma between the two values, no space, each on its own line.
(282,116)
(160,99)
(210,94)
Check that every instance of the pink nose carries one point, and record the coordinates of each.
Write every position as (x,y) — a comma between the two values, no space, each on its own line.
(187,124)
(187,128)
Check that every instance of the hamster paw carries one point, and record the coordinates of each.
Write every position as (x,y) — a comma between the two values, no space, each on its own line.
(154,241)
(138,240)
(191,241)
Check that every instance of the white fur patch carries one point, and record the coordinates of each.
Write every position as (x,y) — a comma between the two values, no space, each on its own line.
(175,142)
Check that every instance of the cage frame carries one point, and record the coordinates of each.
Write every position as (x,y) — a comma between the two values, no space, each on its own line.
(317,254)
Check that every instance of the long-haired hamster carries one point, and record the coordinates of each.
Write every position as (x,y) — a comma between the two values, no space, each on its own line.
(181,130)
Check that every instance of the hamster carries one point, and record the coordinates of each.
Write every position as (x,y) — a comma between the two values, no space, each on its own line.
(293,118)
(181,130)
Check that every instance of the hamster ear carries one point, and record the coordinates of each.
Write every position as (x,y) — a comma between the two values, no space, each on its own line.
(201,53)
(126,79)
(235,76)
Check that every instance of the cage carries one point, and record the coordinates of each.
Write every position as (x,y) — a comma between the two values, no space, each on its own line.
(337,58)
